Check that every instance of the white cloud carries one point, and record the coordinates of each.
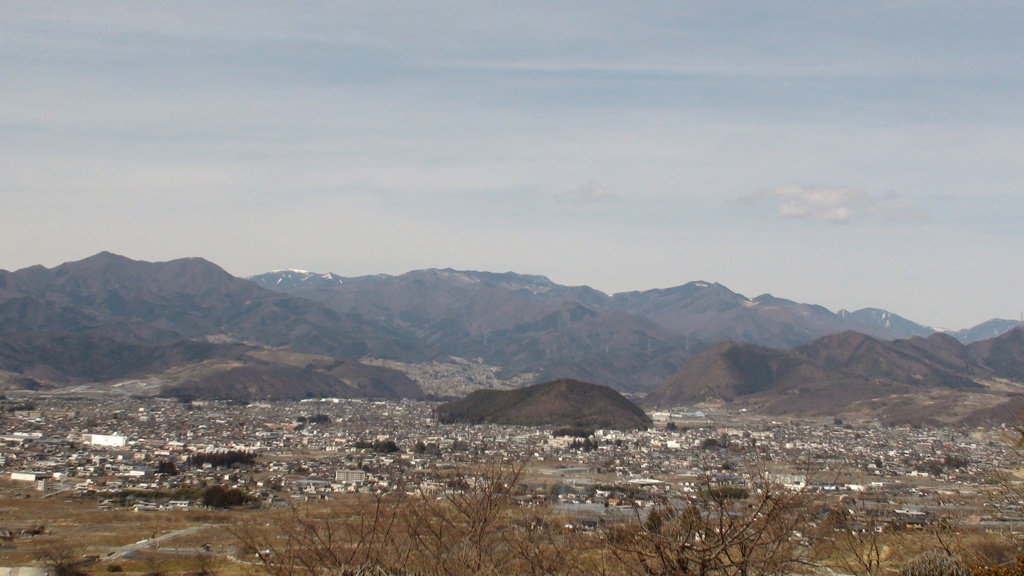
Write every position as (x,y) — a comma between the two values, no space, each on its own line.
(588,193)
(833,205)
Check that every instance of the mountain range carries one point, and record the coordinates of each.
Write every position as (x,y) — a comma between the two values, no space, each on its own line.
(922,380)
(632,341)
(188,328)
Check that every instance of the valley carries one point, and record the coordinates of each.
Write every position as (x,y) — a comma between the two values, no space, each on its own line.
(107,471)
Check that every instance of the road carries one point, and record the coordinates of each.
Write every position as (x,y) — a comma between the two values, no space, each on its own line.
(148,542)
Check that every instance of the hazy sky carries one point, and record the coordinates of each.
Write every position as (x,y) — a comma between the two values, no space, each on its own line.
(849,154)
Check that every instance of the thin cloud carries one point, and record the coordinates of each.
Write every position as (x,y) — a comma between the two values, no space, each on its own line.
(832,205)
(589,193)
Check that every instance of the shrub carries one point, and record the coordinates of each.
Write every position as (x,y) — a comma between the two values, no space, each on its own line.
(935,564)
(220,497)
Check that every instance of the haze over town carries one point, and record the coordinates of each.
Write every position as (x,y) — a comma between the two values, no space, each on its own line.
(803,216)
(849,155)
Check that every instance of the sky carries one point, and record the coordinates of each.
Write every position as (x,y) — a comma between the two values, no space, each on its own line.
(847,154)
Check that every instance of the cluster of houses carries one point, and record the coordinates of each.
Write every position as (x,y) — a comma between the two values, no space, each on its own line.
(149,448)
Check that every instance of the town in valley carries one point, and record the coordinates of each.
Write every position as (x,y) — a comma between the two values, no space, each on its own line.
(127,460)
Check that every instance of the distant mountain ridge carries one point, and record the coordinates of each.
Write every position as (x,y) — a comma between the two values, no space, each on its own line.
(526,324)
(870,317)
(985,330)
(630,340)
(108,317)
(189,298)
(137,315)
(839,372)
(697,297)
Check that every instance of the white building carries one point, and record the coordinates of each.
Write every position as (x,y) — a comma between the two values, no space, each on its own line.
(114,441)
(29,476)
(349,476)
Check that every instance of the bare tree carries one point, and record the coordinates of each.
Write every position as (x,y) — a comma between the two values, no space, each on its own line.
(935,564)
(471,525)
(856,542)
(460,530)
(63,556)
(541,544)
(319,538)
(720,532)
(475,523)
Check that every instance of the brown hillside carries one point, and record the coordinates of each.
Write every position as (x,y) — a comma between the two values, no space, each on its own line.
(1004,355)
(559,403)
(914,380)
(724,372)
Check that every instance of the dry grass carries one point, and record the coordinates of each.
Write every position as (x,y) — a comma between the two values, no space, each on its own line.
(80,525)
(207,542)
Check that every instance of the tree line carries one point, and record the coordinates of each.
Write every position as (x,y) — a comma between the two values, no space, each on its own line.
(222,459)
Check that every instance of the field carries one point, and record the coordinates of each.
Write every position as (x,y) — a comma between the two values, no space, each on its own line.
(79,530)
(486,523)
